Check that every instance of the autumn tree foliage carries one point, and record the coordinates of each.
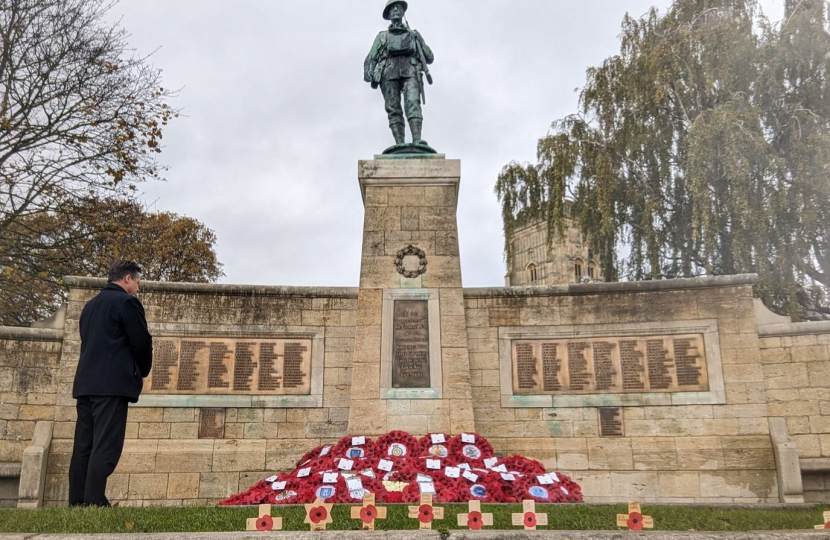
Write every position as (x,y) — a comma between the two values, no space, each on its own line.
(702,148)
(81,120)
(84,238)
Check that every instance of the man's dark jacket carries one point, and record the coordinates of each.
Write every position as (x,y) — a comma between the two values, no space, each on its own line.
(116,347)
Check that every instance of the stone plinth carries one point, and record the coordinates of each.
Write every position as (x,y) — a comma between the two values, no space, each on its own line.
(410,202)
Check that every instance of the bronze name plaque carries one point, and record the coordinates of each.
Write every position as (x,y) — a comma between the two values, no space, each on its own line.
(410,344)
(610,365)
(195,366)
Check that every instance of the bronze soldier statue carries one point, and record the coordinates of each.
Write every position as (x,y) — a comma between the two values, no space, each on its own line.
(397,63)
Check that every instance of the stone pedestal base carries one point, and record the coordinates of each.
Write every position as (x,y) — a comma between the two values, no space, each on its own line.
(410,203)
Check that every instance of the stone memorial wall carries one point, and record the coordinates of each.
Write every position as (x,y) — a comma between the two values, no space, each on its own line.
(654,391)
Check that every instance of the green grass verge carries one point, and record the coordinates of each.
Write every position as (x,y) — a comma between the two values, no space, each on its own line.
(561,517)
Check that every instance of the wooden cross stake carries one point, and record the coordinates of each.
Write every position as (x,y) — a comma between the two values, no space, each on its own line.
(368,513)
(318,514)
(826,521)
(634,520)
(474,519)
(529,519)
(425,512)
(264,522)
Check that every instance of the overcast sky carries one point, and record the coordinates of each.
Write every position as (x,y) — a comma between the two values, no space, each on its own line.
(276,116)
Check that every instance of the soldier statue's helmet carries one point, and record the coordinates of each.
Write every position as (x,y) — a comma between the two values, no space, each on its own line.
(389,6)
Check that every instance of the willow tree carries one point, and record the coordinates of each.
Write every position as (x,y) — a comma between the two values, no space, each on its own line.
(702,148)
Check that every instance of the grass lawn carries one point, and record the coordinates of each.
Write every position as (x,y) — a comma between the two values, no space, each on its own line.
(562,517)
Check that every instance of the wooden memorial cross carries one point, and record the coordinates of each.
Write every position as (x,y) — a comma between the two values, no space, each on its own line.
(634,520)
(425,513)
(474,519)
(264,522)
(826,521)
(368,513)
(318,514)
(529,518)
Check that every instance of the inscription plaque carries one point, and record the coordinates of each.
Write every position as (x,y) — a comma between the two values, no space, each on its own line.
(610,365)
(211,423)
(410,344)
(610,422)
(196,366)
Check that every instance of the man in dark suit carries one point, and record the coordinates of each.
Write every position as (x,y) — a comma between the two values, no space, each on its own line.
(116,354)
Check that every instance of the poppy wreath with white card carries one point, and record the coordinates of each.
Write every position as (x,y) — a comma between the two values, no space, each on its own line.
(474,452)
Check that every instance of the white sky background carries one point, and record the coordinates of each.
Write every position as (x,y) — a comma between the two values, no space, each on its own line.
(276,116)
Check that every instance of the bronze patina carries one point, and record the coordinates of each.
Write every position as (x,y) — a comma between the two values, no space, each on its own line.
(397,64)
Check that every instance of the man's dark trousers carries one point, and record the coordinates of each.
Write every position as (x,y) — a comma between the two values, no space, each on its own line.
(99,440)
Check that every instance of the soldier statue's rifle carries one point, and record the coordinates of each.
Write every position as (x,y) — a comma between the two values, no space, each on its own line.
(422,60)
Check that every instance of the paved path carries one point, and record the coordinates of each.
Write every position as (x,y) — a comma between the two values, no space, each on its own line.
(432,535)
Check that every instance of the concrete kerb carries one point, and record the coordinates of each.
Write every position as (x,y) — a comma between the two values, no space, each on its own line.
(435,535)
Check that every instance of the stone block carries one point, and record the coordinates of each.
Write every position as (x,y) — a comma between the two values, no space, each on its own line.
(753,426)
(179,415)
(610,454)
(327,429)
(291,431)
(762,485)
(147,486)
(238,455)
(368,416)
(189,430)
(152,430)
(792,375)
(778,355)
(742,373)
(741,411)
(654,453)
(808,445)
(183,486)
(793,408)
(820,424)
(676,484)
(140,414)
(505,317)
(138,456)
(593,483)
(634,486)
(180,456)
(478,318)
(813,353)
(369,377)
(572,454)
(118,487)
(218,485)
(720,484)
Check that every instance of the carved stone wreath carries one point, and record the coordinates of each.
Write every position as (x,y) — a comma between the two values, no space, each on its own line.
(422,266)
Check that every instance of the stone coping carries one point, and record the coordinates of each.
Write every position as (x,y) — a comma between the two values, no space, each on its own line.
(78,282)
(435,535)
(30,334)
(619,287)
(794,329)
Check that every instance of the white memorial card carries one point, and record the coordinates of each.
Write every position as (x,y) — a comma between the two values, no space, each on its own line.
(385,465)
(468,438)
(452,472)
(302,473)
(491,462)
(427,488)
(353,484)
(438,438)
(278,486)
(470,476)
(330,478)
(434,464)
(358,441)
(345,464)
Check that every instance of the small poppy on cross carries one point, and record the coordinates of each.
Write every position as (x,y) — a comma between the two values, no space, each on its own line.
(529,518)
(826,521)
(264,522)
(368,513)
(634,520)
(318,514)
(425,512)
(474,519)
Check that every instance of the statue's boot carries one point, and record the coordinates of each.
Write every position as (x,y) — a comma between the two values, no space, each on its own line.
(415,125)
(399,132)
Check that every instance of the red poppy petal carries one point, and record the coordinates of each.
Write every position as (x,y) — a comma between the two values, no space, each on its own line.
(474,520)
(530,519)
(265,523)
